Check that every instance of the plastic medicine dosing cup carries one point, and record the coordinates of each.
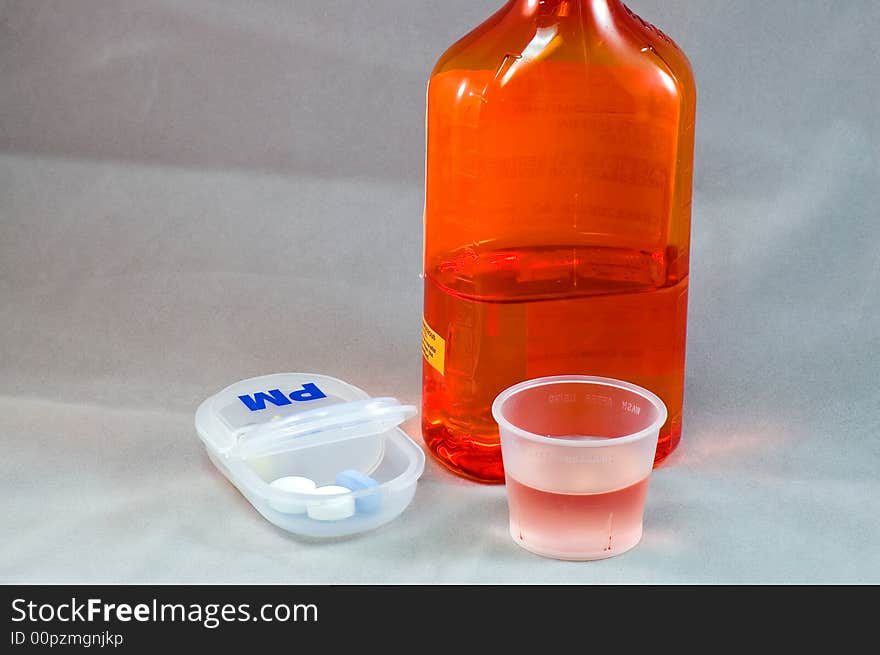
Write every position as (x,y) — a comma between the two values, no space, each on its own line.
(578,453)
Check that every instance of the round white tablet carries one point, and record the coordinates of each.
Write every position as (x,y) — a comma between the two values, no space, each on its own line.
(293,483)
(333,508)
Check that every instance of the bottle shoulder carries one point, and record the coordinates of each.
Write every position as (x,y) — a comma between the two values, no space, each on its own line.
(626,40)
(668,52)
(477,48)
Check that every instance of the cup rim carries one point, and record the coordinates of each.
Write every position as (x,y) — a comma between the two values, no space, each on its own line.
(652,398)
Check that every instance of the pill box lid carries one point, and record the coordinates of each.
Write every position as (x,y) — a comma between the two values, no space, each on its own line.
(284,412)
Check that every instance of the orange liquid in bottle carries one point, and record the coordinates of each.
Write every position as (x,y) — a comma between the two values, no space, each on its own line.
(557,223)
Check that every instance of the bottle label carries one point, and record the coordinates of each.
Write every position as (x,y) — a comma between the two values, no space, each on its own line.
(433,347)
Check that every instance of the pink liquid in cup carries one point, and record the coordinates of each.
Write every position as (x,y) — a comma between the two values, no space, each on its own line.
(564,524)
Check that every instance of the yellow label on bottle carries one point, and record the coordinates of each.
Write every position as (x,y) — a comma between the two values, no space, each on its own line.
(433,347)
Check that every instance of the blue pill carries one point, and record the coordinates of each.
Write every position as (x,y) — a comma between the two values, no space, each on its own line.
(355,480)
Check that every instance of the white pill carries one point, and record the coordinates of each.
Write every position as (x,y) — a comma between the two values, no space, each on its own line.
(332,508)
(295,484)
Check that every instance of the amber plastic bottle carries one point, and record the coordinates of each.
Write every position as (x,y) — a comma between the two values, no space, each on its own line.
(557,216)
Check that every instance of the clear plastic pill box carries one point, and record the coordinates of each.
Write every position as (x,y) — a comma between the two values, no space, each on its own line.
(314,455)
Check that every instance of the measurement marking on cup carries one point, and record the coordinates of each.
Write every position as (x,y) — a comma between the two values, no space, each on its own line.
(597,399)
(610,545)
(632,408)
(569,458)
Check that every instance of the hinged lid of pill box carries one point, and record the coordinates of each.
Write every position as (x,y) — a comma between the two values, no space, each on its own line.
(317,428)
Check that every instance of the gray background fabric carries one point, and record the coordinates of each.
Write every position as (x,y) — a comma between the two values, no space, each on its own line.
(194,192)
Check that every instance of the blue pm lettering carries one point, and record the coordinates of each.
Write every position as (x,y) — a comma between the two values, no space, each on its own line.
(255,403)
